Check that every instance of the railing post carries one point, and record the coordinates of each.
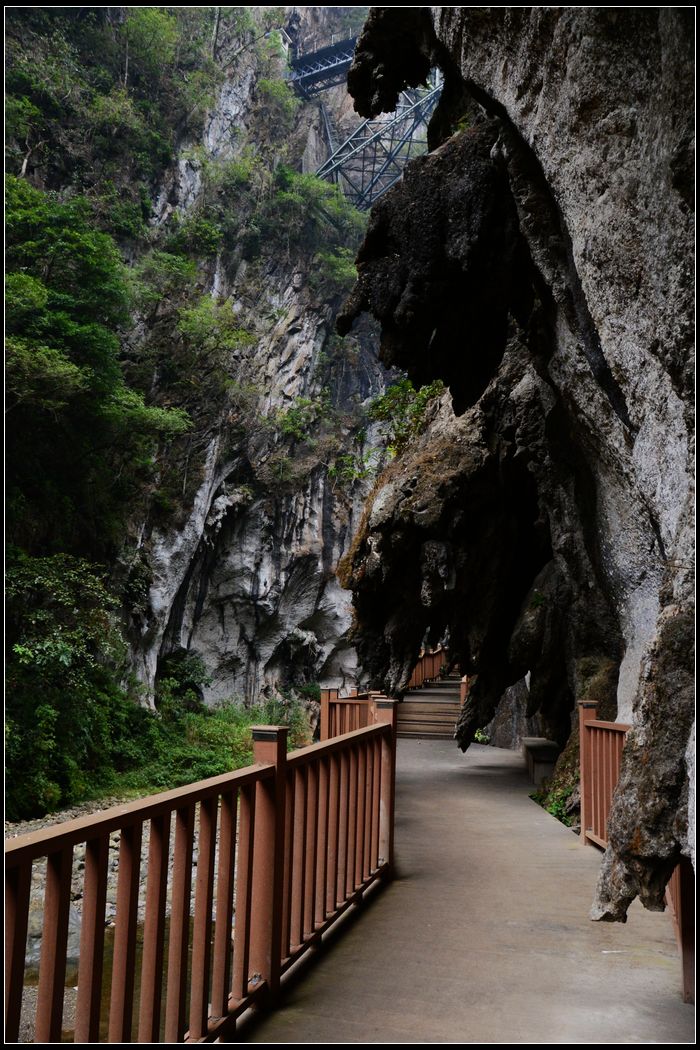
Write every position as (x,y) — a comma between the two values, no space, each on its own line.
(18,881)
(587,712)
(269,746)
(386,713)
(686,927)
(325,723)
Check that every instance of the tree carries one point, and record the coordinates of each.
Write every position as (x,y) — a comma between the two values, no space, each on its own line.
(78,438)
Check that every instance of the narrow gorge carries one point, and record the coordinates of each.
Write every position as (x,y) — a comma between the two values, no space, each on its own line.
(243,463)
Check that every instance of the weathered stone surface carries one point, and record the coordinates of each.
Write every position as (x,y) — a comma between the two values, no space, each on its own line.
(244,578)
(540,263)
(511,722)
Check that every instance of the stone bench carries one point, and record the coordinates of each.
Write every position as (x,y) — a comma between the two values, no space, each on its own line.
(540,757)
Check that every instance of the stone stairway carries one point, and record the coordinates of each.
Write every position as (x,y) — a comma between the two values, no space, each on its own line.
(430,711)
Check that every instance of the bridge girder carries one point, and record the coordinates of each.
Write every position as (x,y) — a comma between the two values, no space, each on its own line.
(320,70)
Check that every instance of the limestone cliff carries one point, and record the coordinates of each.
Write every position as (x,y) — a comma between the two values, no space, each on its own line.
(240,571)
(539,261)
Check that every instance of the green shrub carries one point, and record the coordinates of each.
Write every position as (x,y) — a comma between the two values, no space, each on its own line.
(278,104)
(64,708)
(555,802)
(300,418)
(402,410)
(334,272)
(196,236)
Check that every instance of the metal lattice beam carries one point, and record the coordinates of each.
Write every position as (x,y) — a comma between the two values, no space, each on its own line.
(373,158)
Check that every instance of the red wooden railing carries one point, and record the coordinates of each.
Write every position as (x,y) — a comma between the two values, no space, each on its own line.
(343,714)
(285,845)
(601,745)
(428,667)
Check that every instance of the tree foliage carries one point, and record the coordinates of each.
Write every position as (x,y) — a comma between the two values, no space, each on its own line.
(118,358)
(78,438)
(64,713)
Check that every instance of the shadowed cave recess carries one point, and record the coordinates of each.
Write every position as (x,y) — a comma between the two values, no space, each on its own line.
(538,261)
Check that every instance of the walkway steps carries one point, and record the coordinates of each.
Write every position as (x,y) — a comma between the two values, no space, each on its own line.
(484,935)
(431,711)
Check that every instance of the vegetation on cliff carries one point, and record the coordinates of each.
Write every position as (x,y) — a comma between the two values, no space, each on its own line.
(121,359)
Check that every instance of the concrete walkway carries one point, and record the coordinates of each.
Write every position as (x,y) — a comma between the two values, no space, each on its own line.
(483,937)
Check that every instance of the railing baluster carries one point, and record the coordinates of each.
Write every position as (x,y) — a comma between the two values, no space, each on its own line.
(367,845)
(342,853)
(288,864)
(299,860)
(605,794)
(597,780)
(386,712)
(54,940)
(18,881)
(322,854)
(376,797)
(324,721)
(154,930)
(124,957)
(311,847)
(201,934)
(221,979)
(269,746)
(92,937)
(244,886)
(178,946)
(333,833)
(360,826)
(352,825)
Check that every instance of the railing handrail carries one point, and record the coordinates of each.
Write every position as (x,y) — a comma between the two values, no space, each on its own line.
(30,846)
(290,842)
(335,743)
(426,668)
(616,727)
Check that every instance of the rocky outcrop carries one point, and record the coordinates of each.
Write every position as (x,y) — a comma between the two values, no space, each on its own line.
(539,262)
(511,722)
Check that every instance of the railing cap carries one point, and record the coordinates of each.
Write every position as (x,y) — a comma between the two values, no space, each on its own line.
(268,732)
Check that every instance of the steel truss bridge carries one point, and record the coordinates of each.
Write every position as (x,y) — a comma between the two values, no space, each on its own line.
(371,160)
(318,70)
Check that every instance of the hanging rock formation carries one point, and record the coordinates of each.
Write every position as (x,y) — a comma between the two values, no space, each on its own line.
(539,261)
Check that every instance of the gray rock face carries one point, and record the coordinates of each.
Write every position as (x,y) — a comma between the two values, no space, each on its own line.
(539,262)
(244,579)
(510,722)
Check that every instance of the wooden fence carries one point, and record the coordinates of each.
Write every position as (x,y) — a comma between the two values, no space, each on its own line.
(601,745)
(285,846)
(343,714)
(428,667)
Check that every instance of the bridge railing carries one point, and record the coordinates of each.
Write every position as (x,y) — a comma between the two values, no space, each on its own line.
(429,666)
(281,849)
(601,745)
